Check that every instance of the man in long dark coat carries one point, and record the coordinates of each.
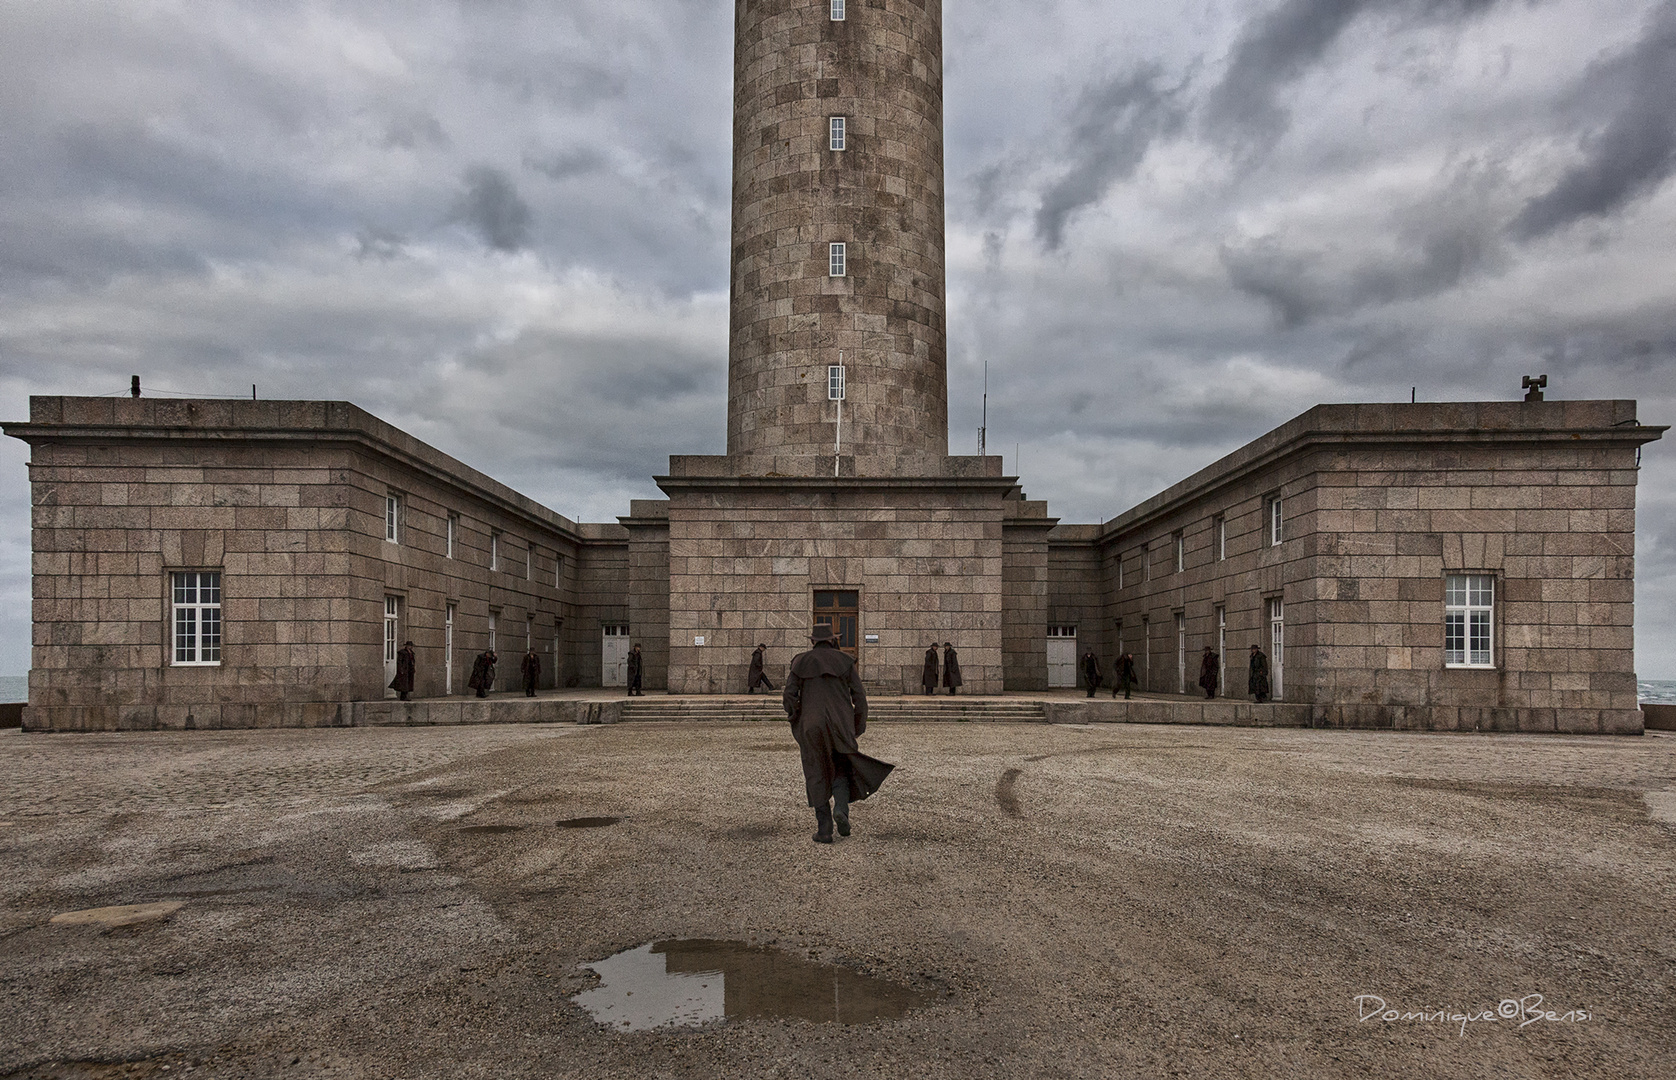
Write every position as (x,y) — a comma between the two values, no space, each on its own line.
(951,667)
(1209,676)
(636,667)
(1091,671)
(530,669)
(928,677)
(1258,682)
(758,677)
(828,709)
(1124,669)
(402,684)
(483,673)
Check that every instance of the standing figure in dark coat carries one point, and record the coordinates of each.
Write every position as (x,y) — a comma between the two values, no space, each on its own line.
(636,666)
(1258,684)
(757,676)
(1124,669)
(1209,676)
(402,684)
(1091,671)
(530,669)
(483,673)
(828,709)
(928,677)
(951,667)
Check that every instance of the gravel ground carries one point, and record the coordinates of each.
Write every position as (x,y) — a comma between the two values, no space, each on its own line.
(1078,901)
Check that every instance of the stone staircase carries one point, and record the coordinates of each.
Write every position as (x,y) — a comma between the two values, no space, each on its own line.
(888,710)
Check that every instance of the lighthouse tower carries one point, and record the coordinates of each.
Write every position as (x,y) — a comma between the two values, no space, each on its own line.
(837,502)
(837,235)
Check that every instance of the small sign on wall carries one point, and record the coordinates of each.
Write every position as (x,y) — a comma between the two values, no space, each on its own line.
(871,639)
(698,640)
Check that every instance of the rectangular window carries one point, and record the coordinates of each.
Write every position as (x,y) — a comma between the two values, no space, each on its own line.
(835,260)
(453,524)
(1272,509)
(1220,527)
(1277,648)
(1181,652)
(494,550)
(1222,649)
(494,629)
(197,616)
(529,561)
(1469,620)
(1181,552)
(392,518)
(448,648)
(837,10)
(835,382)
(835,133)
(1120,570)
(392,630)
(558,570)
(1146,563)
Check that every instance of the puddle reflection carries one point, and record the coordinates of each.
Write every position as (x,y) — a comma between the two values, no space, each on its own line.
(682,983)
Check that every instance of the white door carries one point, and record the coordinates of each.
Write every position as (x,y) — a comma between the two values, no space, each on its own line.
(448,649)
(1277,647)
(1181,653)
(614,655)
(1222,650)
(392,610)
(1062,656)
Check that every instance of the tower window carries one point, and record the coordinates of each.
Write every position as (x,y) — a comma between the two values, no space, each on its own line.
(1469,620)
(835,260)
(835,382)
(835,127)
(837,10)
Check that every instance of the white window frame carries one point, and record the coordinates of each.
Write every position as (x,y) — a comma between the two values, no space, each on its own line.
(529,633)
(392,626)
(1277,647)
(393,518)
(1181,651)
(837,133)
(1221,524)
(1275,519)
(1146,562)
(1222,648)
(1120,570)
(837,10)
(835,382)
(494,549)
(200,617)
(1469,617)
(837,259)
(558,570)
(453,526)
(529,562)
(1181,551)
(494,630)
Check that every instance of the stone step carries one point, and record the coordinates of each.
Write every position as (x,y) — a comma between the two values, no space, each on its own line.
(888,710)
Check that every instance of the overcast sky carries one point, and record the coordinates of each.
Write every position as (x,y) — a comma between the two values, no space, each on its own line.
(503,226)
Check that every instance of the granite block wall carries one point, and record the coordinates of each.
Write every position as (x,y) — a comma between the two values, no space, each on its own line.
(287,501)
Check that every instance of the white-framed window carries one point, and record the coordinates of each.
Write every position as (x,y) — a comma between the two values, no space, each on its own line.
(835,260)
(453,527)
(494,549)
(529,562)
(1222,648)
(835,382)
(1120,574)
(1146,562)
(1220,528)
(196,612)
(835,134)
(558,570)
(529,633)
(1469,602)
(494,630)
(1181,552)
(837,10)
(1271,511)
(393,518)
(1181,652)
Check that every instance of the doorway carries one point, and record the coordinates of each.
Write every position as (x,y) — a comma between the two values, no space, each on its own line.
(840,609)
(1277,648)
(614,655)
(392,630)
(448,649)
(1062,657)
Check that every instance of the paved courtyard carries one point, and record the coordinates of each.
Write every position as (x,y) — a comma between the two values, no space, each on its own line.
(1069,901)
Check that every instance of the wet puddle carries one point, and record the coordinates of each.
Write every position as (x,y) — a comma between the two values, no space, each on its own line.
(588,822)
(686,983)
(489,830)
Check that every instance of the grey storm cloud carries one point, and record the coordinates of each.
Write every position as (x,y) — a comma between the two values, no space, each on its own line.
(1113,125)
(1636,150)
(492,206)
(1278,48)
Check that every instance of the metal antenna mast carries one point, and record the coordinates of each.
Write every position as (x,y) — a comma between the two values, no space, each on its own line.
(983,432)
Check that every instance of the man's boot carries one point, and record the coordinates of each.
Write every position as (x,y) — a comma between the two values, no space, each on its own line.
(823,825)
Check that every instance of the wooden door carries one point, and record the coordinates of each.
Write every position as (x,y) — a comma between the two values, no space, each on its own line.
(841,610)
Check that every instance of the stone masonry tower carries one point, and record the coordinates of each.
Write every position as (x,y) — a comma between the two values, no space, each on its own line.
(837,235)
(837,249)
